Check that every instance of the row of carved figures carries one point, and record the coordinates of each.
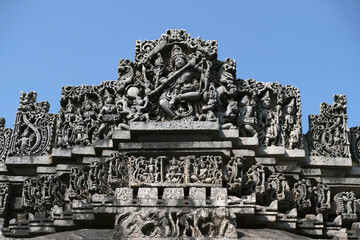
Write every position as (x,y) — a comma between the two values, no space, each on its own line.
(102,178)
(34,126)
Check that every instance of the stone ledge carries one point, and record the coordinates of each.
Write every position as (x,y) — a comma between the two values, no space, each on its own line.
(104,143)
(176,145)
(83,150)
(271,150)
(295,153)
(248,141)
(243,153)
(61,152)
(121,135)
(229,133)
(328,161)
(174,126)
(20,160)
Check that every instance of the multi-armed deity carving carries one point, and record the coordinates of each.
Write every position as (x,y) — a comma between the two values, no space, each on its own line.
(40,194)
(328,133)
(177,77)
(5,135)
(33,128)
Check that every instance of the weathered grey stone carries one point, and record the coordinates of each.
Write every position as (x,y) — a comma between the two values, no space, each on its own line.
(272,151)
(327,161)
(27,160)
(121,135)
(173,196)
(219,196)
(81,150)
(61,152)
(147,196)
(124,195)
(197,196)
(178,147)
(265,161)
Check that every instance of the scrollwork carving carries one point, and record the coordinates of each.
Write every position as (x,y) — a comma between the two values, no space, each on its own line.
(33,128)
(328,132)
(5,136)
(234,175)
(39,194)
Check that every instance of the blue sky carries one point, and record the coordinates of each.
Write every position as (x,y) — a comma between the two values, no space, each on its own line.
(313,45)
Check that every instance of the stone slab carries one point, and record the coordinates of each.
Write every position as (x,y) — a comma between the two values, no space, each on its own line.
(174,126)
(229,133)
(355,170)
(83,150)
(311,172)
(341,181)
(46,170)
(108,153)
(25,160)
(271,150)
(3,168)
(61,152)
(89,160)
(328,161)
(121,135)
(66,167)
(243,153)
(248,141)
(295,153)
(15,179)
(265,160)
(175,145)
(104,143)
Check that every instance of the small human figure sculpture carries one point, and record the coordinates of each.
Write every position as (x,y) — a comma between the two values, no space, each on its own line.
(246,119)
(290,137)
(108,117)
(80,133)
(208,109)
(174,174)
(139,109)
(25,141)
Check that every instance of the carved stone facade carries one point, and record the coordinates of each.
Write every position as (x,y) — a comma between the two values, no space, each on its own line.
(179,147)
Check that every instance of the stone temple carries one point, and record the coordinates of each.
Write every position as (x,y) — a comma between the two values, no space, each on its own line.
(179,147)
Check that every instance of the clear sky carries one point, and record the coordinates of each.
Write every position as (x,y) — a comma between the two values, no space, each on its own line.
(313,45)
